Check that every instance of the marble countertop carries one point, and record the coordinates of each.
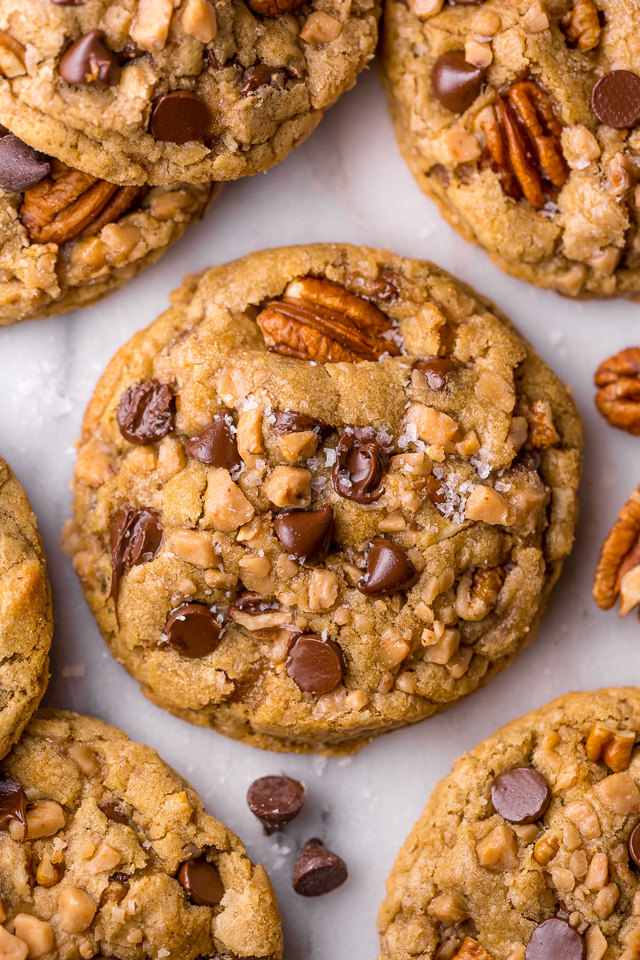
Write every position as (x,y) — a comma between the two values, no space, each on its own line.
(347,183)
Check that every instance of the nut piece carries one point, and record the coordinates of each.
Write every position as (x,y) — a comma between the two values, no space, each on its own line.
(545,849)
(105,858)
(618,793)
(432,426)
(612,747)
(44,818)
(448,908)
(320,28)
(225,506)
(487,504)
(37,934)
(289,487)
(581,25)
(618,570)
(194,546)
(11,948)
(76,909)
(618,397)
(542,432)
(273,8)
(249,435)
(323,590)
(199,20)
(298,446)
(150,28)
(582,814)
(499,849)
(491,386)
(471,950)
(478,591)
(12,56)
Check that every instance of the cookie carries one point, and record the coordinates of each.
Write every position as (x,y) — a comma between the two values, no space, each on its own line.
(105,850)
(530,848)
(151,91)
(26,623)
(325,495)
(520,119)
(68,239)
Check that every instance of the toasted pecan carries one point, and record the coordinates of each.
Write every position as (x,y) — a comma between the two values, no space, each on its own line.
(581,26)
(471,950)
(620,560)
(618,398)
(273,8)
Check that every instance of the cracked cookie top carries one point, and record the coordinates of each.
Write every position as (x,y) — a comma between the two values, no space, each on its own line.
(152,91)
(521,118)
(26,624)
(530,848)
(106,850)
(326,494)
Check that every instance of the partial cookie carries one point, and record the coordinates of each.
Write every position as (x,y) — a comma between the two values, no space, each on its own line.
(325,495)
(152,91)
(531,846)
(520,119)
(105,850)
(26,623)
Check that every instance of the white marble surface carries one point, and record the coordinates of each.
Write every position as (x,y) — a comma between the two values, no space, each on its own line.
(348,182)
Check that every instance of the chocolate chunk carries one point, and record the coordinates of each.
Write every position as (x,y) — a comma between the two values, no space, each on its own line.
(201,881)
(253,604)
(275,801)
(135,537)
(12,804)
(305,534)
(89,60)
(521,795)
(316,665)
(257,76)
(454,82)
(436,371)
(388,569)
(216,444)
(288,421)
(114,812)
(317,870)
(555,939)
(146,412)
(634,845)
(21,167)
(616,99)
(179,117)
(360,465)
(193,630)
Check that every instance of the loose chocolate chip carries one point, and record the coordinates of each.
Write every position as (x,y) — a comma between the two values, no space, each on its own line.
(616,99)
(216,444)
(113,811)
(21,166)
(253,604)
(89,60)
(436,371)
(634,845)
(257,76)
(555,939)
(317,870)
(521,795)
(454,82)
(288,421)
(388,569)
(146,412)
(135,537)
(305,534)
(361,461)
(316,665)
(193,630)
(179,117)
(275,801)
(12,804)
(201,881)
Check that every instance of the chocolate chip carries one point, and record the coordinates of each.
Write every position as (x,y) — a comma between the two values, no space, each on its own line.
(288,421)
(454,82)
(114,893)
(135,537)
(193,630)
(12,805)
(275,801)
(388,569)
(202,882)
(252,603)
(521,795)
(555,939)
(21,167)
(305,534)
(89,60)
(216,444)
(616,99)
(114,812)
(317,870)
(257,76)
(316,665)
(634,845)
(436,371)
(179,117)
(361,461)
(146,412)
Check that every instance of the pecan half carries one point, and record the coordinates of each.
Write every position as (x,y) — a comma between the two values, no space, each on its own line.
(523,144)
(618,398)
(618,570)
(581,26)
(322,321)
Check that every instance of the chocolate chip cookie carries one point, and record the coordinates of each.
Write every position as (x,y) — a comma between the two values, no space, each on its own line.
(530,848)
(521,119)
(26,624)
(105,850)
(152,91)
(325,495)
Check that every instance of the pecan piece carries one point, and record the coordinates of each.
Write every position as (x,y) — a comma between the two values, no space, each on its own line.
(618,398)
(12,54)
(581,26)
(273,8)
(322,321)
(541,431)
(471,950)
(618,570)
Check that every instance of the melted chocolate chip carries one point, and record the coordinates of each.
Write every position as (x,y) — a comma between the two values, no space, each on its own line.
(616,99)
(521,795)
(21,167)
(314,664)
(275,801)
(360,465)
(436,371)
(555,939)
(317,870)
(454,82)
(12,803)
(253,604)
(113,811)
(288,421)
(193,630)
(388,569)
(201,881)
(215,444)
(90,60)
(257,76)
(135,536)
(305,534)
(179,117)
(146,412)
(634,845)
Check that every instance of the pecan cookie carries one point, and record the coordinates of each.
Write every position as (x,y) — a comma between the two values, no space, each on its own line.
(105,850)
(326,494)
(26,624)
(157,91)
(520,118)
(530,847)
